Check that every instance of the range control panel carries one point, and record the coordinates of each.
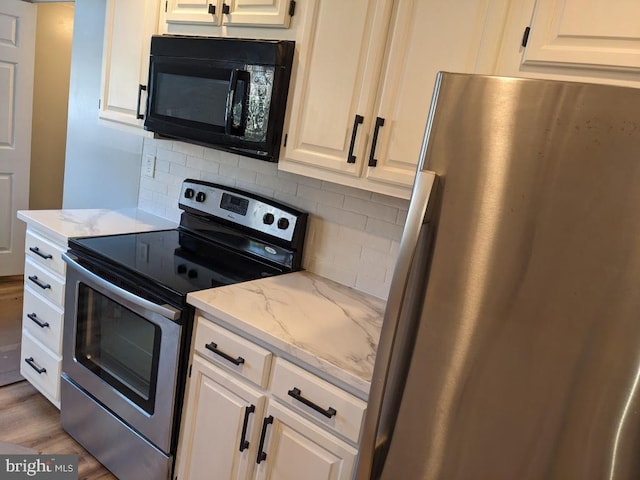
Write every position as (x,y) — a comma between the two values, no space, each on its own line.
(243,208)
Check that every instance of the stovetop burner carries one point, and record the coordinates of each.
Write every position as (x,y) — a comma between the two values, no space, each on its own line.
(225,236)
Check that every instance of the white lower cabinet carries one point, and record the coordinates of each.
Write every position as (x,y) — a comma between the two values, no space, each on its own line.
(295,425)
(222,425)
(43,311)
(295,448)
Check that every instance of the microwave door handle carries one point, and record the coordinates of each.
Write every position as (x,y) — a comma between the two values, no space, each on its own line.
(236,76)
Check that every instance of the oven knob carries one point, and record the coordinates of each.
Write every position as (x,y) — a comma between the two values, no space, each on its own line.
(283,223)
(188,193)
(200,196)
(193,273)
(268,218)
(182,268)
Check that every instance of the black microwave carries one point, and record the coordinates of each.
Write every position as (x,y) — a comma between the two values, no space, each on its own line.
(225,93)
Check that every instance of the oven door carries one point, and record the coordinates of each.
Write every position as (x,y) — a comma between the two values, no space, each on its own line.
(123,351)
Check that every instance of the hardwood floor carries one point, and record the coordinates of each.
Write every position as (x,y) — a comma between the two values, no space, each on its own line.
(11,289)
(28,419)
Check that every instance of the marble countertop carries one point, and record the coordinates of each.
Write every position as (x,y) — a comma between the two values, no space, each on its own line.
(67,223)
(331,328)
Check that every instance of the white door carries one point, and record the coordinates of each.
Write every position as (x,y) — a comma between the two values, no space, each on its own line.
(17,50)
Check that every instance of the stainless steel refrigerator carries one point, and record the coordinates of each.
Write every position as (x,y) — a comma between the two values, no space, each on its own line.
(514,310)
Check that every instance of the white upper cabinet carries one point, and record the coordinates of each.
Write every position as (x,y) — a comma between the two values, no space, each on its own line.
(129,25)
(335,87)
(587,33)
(364,84)
(254,13)
(193,11)
(594,41)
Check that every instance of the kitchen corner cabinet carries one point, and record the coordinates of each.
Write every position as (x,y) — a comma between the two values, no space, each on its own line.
(129,25)
(594,34)
(250,414)
(253,13)
(42,318)
(364,84)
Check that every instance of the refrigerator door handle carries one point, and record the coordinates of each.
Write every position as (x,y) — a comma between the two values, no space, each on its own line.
(376,433)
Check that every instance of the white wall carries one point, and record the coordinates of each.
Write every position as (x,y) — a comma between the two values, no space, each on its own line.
(102,164)
(353,236)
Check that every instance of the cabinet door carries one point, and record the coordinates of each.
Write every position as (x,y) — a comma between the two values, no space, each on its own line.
(408,77)
(335,86)
(258,13)
(208,12)
(295,448)
(218,408)
(128,28)
(587,33)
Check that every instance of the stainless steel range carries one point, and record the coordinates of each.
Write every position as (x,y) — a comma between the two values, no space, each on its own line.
(127,325)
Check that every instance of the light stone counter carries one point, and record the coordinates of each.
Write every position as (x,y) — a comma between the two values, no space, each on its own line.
(331,328)
(63,224)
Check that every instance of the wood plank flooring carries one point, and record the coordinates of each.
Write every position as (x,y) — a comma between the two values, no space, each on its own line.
(26,417)
(30,420)
(11,289)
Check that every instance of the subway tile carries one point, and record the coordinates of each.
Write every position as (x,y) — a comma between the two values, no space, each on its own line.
(180,172)
(277,184)
(401,219)
(170,156)
(299,179)
(384,229)
(374,242)
(346,191)
(260,166)
(320,196)
(238,174)
(223,158)
(188,149)
(148,184)
(371,209)
(342,217)
(304,204)
(391,201)
(257,189)
(372,287)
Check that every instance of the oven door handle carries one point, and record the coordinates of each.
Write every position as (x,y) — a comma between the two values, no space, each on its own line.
(166,311)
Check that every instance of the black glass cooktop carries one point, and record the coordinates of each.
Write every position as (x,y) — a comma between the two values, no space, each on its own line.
(174,260)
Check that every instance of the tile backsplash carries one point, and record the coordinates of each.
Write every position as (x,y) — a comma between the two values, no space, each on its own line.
(352,235)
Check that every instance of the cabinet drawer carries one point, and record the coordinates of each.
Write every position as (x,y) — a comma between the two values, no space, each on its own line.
(42,320)
(44,283)
(232,351)
(45,252)
(47,380)
(328,404)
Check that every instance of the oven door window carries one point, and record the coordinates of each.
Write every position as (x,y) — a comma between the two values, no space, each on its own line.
(118,345)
